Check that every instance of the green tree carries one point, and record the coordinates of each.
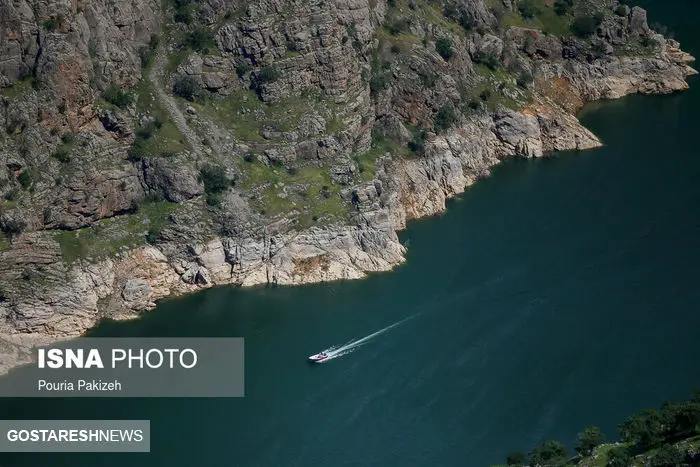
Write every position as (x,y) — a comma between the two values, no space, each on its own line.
(516,458)
(201,39)
(443,46)
(548,453)
(588,439)
(644,429)
(445,118)
(585,25)
(214,179)
(116,96)
(562,7)
(527,8)
(25,179)
(187,88)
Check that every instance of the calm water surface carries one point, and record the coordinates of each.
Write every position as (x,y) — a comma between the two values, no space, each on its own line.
(557,294)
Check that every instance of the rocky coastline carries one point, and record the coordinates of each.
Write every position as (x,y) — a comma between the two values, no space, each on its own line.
(70,297)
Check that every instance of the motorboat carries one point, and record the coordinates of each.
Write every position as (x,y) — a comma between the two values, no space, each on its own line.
(319,357)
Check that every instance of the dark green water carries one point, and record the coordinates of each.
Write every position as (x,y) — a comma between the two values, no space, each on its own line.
(557,294)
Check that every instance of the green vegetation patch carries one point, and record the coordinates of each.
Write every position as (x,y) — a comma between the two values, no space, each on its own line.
(247,116)
(498,87)
(107,236)
(163,137)
(550,16)
(669,436)
(308,191)
(19,88)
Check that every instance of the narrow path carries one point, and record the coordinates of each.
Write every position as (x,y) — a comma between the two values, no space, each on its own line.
(155,76)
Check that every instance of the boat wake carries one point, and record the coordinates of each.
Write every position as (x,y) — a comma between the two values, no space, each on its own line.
(349,347)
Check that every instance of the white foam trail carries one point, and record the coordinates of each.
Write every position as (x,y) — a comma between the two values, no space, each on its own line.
(335,351)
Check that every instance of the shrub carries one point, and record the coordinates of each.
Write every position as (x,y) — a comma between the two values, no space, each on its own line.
(187,88)
(445,118)
(200,39)
(214,179)
(242,67)
(377,82)
(491,61)
(12,195)
(25,179)
(583,26)
(485,95)
(515,458)
(588,439)
(51,24)
(562,7)
(527,8)
(146,53)
(183,15)
(548,453)
(62,153)
(395,49)
(398,26)
(417,144)
(12,226)
(428,78)
(183,11)
(145,132)
(152,236)
(524,79)
(351,29)
(269,74)
(443,46)
(621,10)
(137,150)
(116,96)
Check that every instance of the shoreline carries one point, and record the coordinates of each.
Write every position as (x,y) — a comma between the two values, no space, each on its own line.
(402,190)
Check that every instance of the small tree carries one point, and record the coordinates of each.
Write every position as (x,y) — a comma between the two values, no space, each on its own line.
(25,179)
(417,144)
(200,39)
(116,96)
(187,88)
(445,118)
(562,7)
(443,46)
(588,439)
(527,8)
(547,453)
(214,179)
(583,25)
(269,74)
(516,459)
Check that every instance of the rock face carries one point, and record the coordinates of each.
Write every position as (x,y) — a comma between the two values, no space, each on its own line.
(326,128)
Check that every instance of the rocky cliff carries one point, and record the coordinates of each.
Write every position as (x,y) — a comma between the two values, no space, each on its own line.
(148,151)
